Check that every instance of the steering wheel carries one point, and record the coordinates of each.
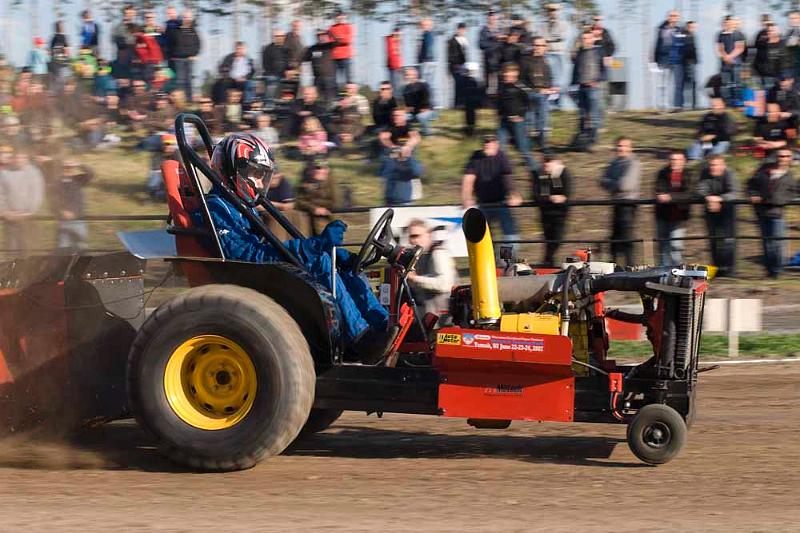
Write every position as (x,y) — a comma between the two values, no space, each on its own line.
(378,243)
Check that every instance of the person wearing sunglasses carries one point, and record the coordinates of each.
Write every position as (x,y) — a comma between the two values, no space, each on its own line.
(435,273)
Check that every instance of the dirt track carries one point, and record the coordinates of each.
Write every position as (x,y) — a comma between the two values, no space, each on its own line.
(739,471)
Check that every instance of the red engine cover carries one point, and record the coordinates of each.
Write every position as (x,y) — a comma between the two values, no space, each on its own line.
(505,376)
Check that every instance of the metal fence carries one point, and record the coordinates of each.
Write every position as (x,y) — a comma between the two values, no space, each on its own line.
(594,242)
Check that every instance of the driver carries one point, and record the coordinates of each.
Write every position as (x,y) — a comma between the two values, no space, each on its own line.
(246,165)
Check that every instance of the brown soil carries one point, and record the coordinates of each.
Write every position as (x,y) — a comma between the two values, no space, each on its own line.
(739,471)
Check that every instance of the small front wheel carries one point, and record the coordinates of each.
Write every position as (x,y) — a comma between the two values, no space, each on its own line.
(656,434)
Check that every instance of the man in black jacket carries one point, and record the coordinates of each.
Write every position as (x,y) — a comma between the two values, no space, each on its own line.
(673,184)
(786,95)
(770,189)
(488,179)
(690,61)
(295,49)
(417,99)
(607,48)
(489,43)
(714,133)
(456,57)
(552,188)
(383,106)
(183,45)
(274,62)
(717,186)
(536,76)
(771,132)
(772,59)
(512,106)
(307,106)
(587,74)
(322,65)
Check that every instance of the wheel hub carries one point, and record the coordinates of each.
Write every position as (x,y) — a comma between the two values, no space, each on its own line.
(210,382)
(657,435)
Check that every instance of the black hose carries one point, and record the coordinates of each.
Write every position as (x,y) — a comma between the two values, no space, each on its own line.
(622,316)
(568,275)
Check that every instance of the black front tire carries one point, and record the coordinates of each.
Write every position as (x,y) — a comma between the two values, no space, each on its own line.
(656,434)
(284,372)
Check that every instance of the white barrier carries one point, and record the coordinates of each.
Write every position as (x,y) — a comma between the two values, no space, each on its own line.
(733,317)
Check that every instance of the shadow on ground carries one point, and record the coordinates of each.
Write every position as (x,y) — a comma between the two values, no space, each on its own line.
(370,443)
(125,446)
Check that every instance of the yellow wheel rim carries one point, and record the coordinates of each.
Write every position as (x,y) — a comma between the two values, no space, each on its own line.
(210,382)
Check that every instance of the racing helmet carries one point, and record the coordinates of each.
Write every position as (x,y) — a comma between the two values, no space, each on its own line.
(241,159)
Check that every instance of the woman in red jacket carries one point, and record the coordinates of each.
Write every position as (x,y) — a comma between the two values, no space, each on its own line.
(394,59)
(342,33)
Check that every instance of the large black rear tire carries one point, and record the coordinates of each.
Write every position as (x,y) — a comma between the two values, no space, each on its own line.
(319,420)
(656,434)
(221,337)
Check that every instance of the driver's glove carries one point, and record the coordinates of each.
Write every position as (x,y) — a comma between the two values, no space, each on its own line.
(344,259)
(333,234)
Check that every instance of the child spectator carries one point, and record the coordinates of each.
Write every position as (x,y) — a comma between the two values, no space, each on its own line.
(314,139)
(104,83)
(155,181)
(38,58)
(232,119)
(264,131)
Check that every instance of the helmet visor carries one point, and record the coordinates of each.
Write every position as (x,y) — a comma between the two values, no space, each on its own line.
(258,178)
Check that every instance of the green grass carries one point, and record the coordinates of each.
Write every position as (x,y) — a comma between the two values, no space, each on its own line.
(119,187)
(758,345)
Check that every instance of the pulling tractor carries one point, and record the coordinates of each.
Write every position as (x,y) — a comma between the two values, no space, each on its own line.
(250,358)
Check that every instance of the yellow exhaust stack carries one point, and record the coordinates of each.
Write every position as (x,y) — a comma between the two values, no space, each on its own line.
(485,302)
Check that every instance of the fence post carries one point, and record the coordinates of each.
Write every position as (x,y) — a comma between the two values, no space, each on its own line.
(647,250)
(733,330)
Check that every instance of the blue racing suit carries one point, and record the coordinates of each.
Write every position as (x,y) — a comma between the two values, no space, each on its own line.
(357,303)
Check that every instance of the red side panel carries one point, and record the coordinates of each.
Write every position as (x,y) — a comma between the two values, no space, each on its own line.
(181,199)
(34,356)
(505,376)
(170,172)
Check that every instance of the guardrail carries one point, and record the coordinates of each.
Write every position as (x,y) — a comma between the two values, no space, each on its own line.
(528,204)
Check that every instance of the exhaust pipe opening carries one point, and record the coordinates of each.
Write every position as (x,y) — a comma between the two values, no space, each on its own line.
(474,224)
(483,277)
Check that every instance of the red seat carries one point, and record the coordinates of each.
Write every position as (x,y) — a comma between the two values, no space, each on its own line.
(183,199)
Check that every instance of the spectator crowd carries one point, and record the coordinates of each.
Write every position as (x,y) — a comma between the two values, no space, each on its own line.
(526,71)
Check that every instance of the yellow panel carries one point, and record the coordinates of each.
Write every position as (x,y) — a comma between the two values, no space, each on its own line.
(543,324)
(579,334)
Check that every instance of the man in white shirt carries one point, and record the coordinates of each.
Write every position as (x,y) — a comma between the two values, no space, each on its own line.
(435,274)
